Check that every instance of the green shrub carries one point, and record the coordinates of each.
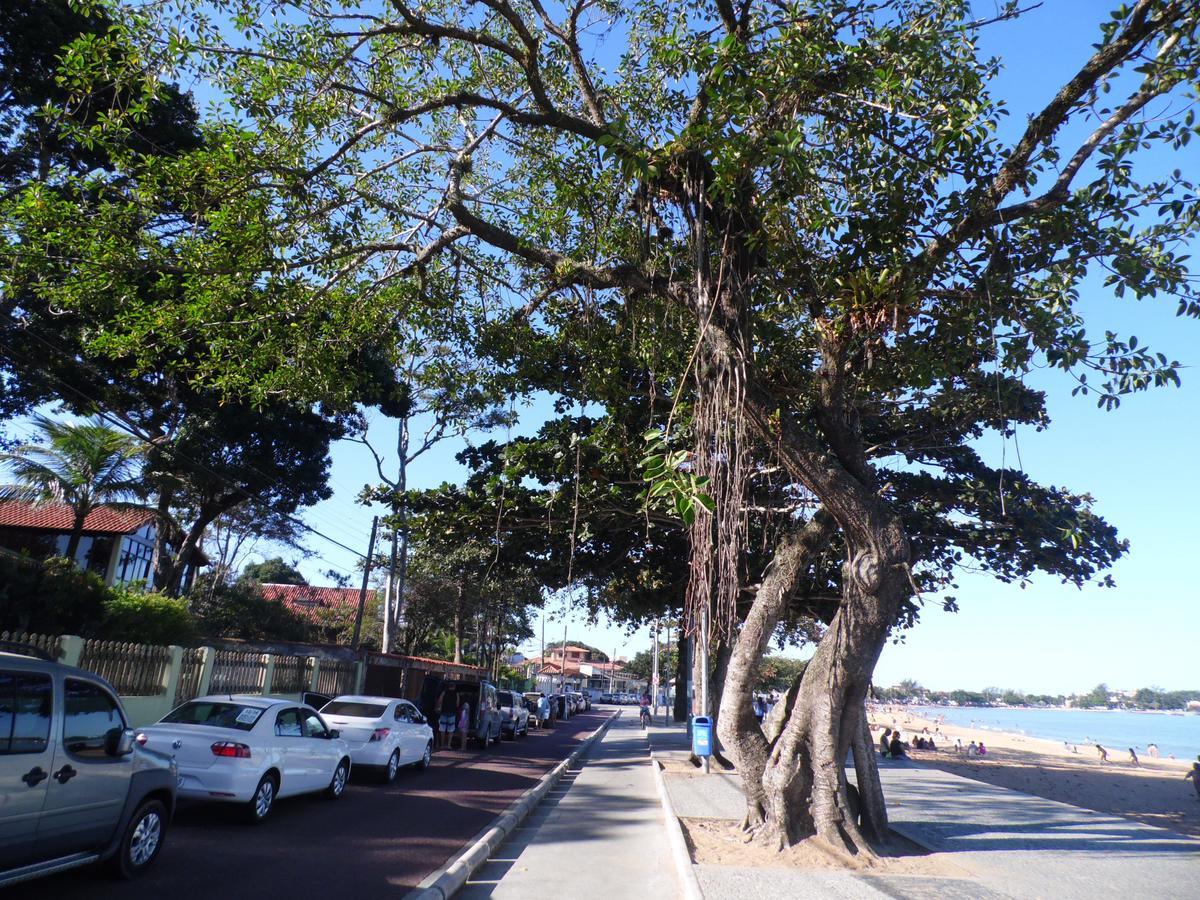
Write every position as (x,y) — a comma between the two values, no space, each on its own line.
(145,617)
(49,597)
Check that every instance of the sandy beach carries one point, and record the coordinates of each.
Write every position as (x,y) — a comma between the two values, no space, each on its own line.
(1154,793)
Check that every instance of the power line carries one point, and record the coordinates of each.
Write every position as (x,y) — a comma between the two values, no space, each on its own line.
(127,428)
(274,482)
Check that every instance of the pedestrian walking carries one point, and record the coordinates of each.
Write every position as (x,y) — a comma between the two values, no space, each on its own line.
(1195,776)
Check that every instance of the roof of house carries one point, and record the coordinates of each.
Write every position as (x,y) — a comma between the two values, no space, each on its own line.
(60,517)
(306,599)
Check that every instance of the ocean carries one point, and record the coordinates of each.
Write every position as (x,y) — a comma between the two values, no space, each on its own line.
(1115,729)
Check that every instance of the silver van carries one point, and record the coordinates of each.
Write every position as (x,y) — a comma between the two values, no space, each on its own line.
(75,787)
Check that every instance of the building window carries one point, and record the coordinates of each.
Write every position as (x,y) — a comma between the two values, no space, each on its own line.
(135,562)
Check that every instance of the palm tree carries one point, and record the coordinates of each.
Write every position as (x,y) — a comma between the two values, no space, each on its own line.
(83,465)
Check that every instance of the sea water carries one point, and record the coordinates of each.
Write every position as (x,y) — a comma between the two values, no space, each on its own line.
(1116,730)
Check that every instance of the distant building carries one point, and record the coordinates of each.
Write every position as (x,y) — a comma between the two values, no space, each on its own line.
(579,669)
(117,544)
(312,603)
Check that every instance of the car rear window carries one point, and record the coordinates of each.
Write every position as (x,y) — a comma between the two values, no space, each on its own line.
(215,715)
(353,710)
(505,698)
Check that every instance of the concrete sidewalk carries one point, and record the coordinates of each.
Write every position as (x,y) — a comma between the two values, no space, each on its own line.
(1009,844)
(599,835)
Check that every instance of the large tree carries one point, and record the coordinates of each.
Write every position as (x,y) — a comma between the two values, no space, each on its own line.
(813,200)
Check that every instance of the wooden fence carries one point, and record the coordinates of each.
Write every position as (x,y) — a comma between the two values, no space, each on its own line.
(238,672)
(153,680)
(135,670)
(45,642)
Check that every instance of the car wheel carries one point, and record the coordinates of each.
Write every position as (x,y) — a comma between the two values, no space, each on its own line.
(262,801)
(337,784)
(424,763)
(142,841)
(392,767)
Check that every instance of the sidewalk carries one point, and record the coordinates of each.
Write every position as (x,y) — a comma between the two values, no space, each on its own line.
(598,836)
(1009,844)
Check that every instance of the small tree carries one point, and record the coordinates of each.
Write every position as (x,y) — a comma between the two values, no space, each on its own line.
(84,465)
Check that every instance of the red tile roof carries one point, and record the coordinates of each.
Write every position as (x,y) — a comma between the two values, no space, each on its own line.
(306,599)
(59,517)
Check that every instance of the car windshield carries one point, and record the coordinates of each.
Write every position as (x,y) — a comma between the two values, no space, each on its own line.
(353,709)
(215,715)
(505,698)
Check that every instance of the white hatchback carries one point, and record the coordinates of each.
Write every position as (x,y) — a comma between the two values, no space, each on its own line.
(382,732)
(250,750)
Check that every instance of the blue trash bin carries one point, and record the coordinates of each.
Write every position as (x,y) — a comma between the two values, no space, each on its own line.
(702,736)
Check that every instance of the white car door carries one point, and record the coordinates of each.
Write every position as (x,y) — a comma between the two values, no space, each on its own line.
(289,738)
(411,738)
(323,753)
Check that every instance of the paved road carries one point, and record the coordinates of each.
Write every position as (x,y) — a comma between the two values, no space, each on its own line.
(375,841)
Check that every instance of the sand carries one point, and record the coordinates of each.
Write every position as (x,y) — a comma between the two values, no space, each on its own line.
(719,842)
(1154,794)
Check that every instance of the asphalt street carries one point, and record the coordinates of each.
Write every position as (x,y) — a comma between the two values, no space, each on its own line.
(375,841)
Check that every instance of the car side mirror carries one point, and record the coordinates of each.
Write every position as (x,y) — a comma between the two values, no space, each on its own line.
(334,734)
(119,742)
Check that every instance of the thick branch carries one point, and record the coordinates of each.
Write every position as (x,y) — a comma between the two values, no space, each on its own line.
(1140,28)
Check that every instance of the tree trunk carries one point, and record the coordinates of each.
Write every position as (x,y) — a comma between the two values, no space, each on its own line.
(805,778)
(76,536)
(716,691)
(681,669)
(458,625)
(740,732)
(162,563)
(189,549)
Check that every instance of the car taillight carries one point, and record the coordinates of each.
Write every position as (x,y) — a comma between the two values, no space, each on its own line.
(231,749)
(141,738)
(380,734)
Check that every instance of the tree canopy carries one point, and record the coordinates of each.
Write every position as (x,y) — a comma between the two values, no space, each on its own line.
(800,239)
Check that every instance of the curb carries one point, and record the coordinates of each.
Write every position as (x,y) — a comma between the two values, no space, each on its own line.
(444,883)
(679,851)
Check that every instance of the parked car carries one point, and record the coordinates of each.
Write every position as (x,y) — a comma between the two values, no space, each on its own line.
(381,732)
(75,787)
(250,750)
(606,698)
(514,717)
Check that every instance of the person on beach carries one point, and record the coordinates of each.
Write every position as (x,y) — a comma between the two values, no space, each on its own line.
(1103,754)
(1070,747)
(1152,749)
(1195,776)
(958,747)
(895,748)
(982,749)
(1133,760)
(972,749)
(883,742)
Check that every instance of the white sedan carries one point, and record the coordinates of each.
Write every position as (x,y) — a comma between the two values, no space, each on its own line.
(250,750)
(382,732)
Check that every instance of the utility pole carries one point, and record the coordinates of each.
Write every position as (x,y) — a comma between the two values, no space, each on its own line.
(362,591)
(563,668)
(654,677)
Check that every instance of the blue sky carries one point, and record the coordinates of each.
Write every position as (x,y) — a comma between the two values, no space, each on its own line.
(1138,462)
